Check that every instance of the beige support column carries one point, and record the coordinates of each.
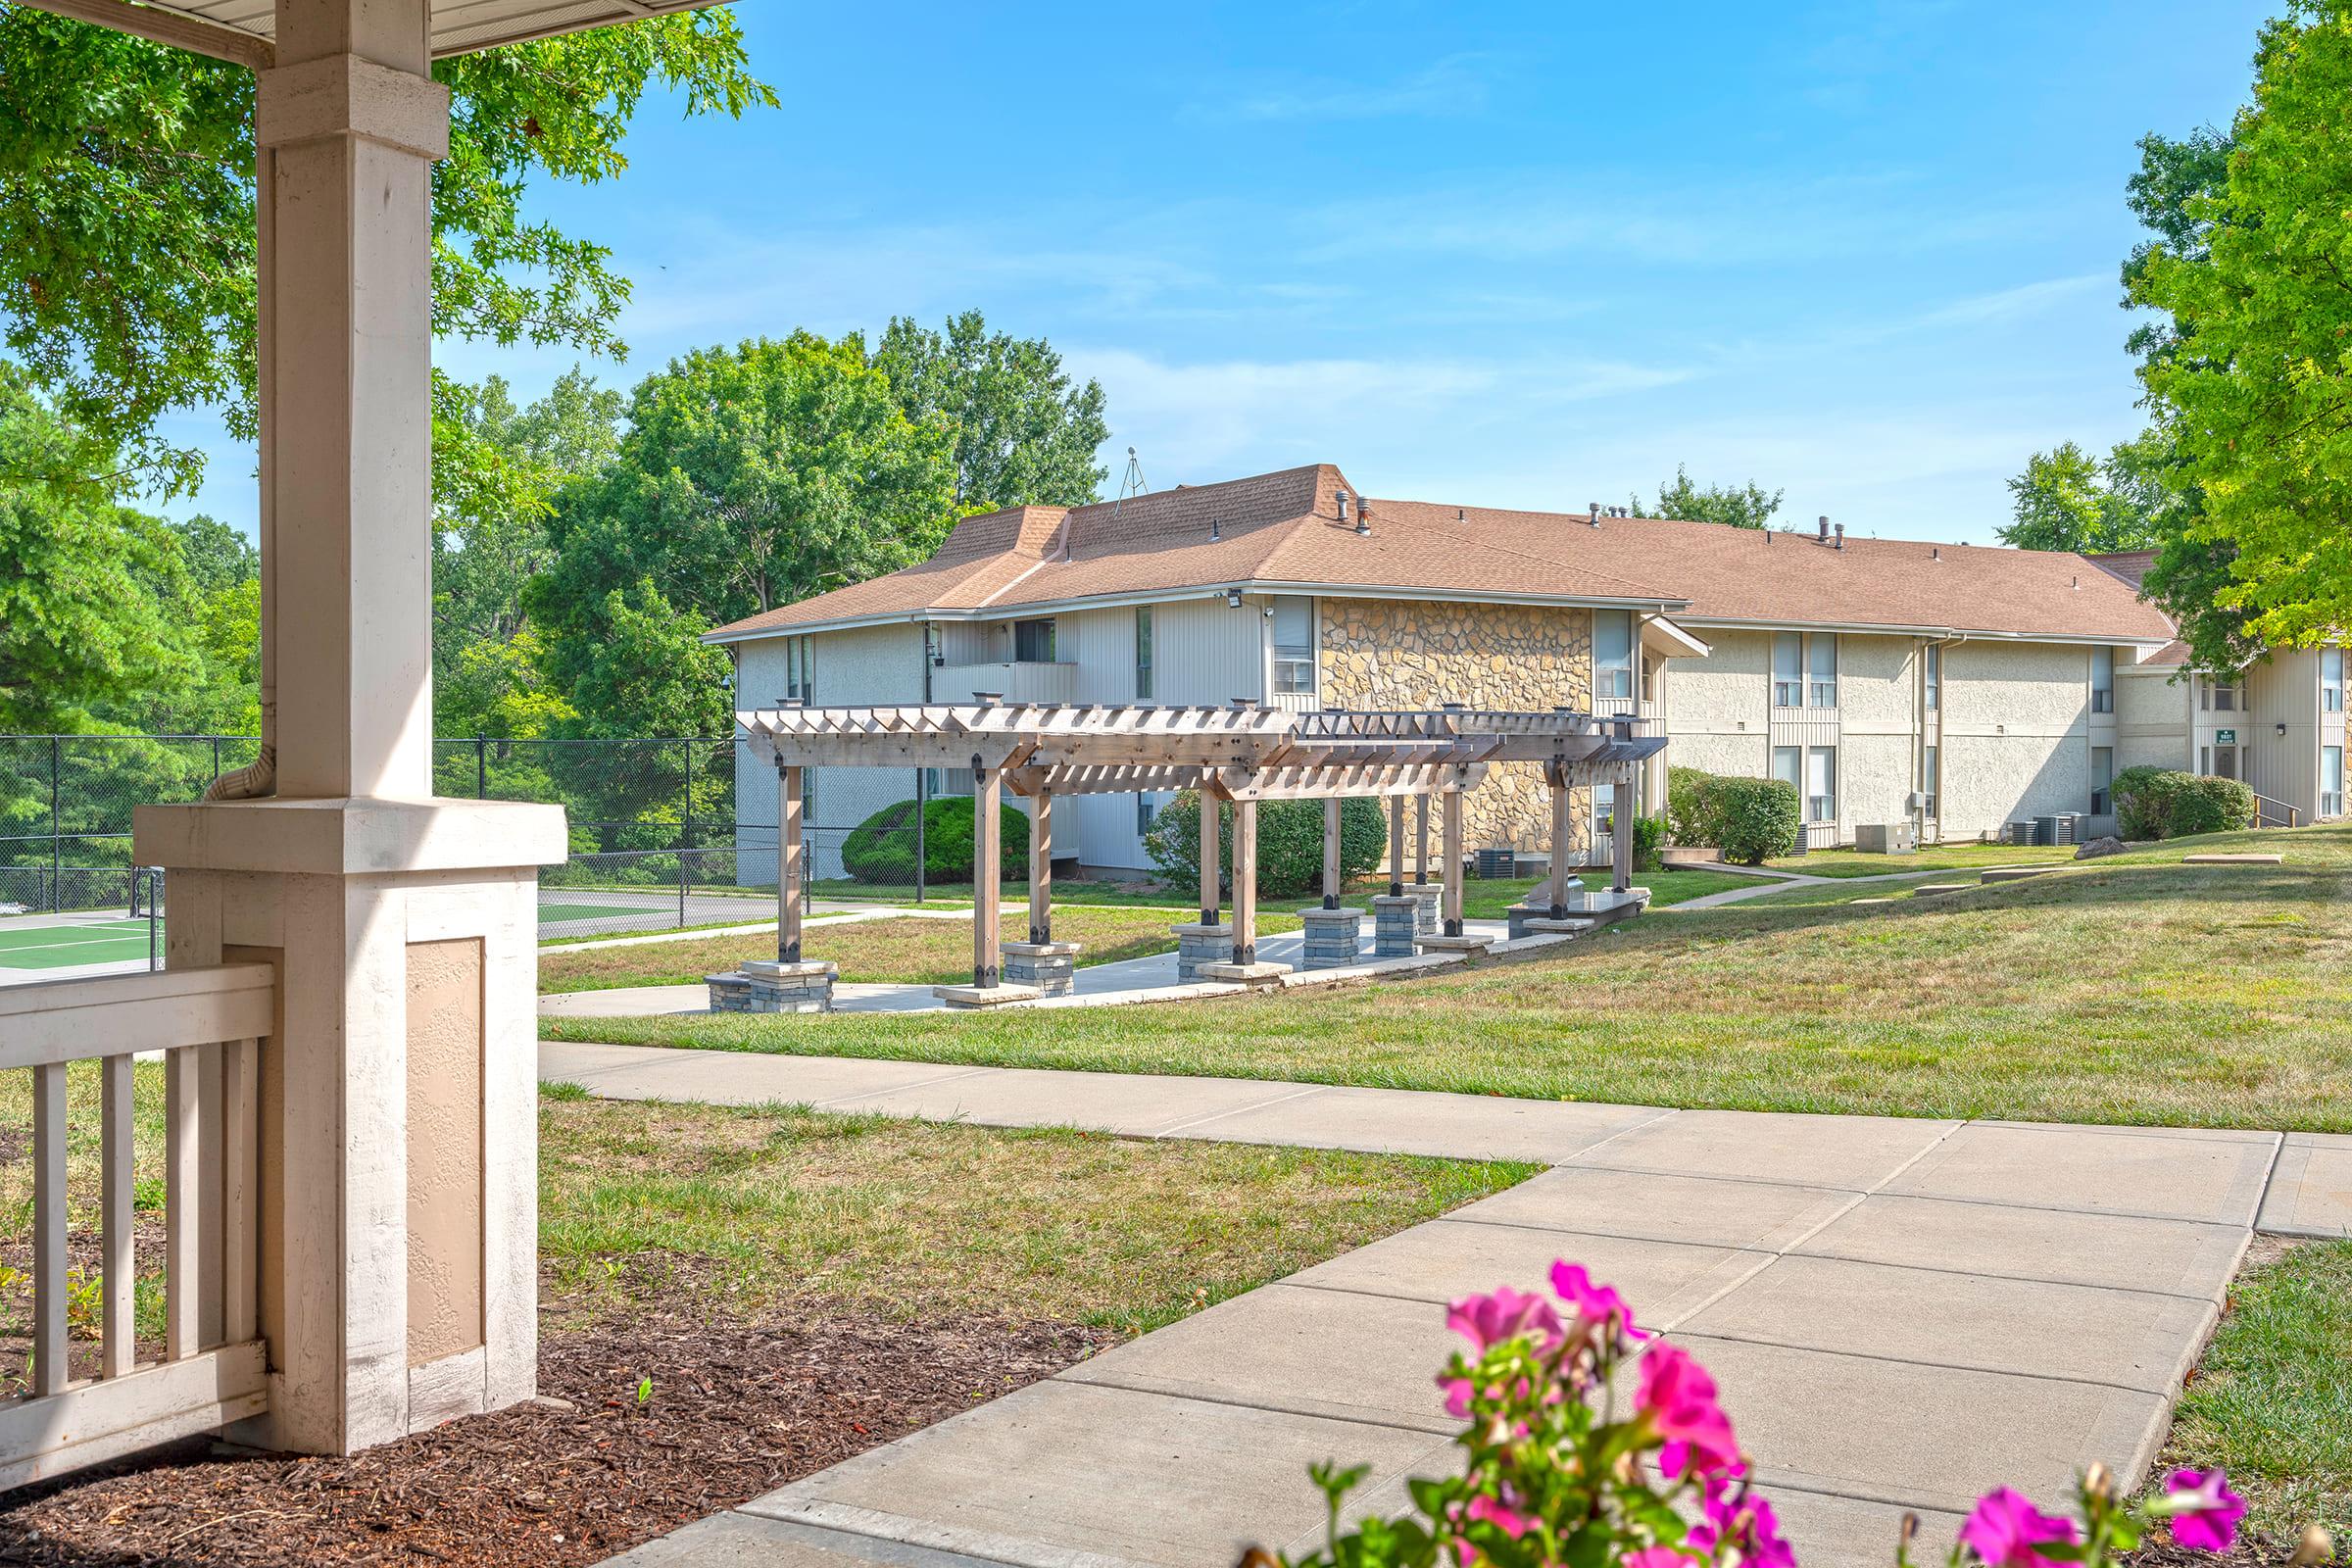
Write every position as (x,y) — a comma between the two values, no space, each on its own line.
(1331,852)
(1210,857)
(1452,916)
(1563,831)
(386,1240)
(988,869)
(790,865)
(1244,882)
(1041,867)
(1395,846)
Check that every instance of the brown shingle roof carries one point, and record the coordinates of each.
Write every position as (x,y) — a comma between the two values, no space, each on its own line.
(1284,530)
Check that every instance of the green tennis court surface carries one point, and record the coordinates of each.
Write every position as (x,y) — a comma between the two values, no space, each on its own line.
(58,947)
(549,913)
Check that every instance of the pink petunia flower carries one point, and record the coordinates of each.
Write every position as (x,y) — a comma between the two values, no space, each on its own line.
(1739,1519)
(1676,1398)
(1486,1321)
(2006,1530)
(1656,1557)
(1500,1513)
(2204,1512)
(1593,1303)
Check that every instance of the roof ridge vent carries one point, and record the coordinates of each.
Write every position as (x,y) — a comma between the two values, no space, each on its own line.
(1593,514)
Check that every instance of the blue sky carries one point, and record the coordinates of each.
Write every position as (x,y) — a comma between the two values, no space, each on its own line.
(1511,255)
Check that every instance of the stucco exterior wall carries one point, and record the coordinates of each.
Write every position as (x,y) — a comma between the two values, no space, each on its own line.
(862,664)
(2151,719)
(1378,652)
(2016,733)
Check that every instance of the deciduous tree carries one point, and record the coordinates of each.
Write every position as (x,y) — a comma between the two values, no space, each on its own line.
(1023,434)
(1739,506)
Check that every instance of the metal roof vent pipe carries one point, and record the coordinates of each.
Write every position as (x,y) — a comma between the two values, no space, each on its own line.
(1840,542)
(1342,497)
(1212,528)
(1824,536)
(1593,514)
(1363,526)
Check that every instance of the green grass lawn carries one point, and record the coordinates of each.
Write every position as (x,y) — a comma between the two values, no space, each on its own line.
(908,951)
(2133,992)
(2271,1400)
(922,1219)
(949,895)
(1491,899)
(1968,857)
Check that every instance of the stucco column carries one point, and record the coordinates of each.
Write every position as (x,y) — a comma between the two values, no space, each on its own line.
(397,1188)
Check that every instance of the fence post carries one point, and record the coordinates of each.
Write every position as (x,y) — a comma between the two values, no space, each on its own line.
(481,767)
(922,809)
(57,902)
(215,758)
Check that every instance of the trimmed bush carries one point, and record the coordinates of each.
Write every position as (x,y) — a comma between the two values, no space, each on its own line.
(1289,843)
(1648,833)
(1750,819)
(881,849)
(2152,802)
(1758,818)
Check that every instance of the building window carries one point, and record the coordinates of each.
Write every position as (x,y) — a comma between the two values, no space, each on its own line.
(2102,779)
(2331,781)
(1931,780)
(939,781)
(800,670)
(1294,646)
(2331,680)
(1033,642)
(2217,697)
(2102,680)
(1821,784)
(1788,669)
(1934,676)
(1146,812)
(1788,766)
(1821,667)
(1143,652)
(1604,813)
(1613,653)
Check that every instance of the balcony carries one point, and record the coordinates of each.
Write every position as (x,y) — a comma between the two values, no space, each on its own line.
(1017,681)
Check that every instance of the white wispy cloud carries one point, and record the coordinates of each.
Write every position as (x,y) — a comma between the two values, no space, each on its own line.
(1457,84)
(2014,304)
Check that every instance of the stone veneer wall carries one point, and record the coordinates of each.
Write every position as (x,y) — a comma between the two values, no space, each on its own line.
(1383,653)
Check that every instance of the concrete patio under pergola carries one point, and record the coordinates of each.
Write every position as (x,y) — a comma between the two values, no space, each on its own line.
(1235,757)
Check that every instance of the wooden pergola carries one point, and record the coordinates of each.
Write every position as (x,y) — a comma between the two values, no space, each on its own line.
(1236,755)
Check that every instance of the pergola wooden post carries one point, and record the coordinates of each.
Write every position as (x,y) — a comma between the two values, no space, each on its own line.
(1331,851)
(988,867)
(1244,882)
(1397,847)
(791,869)
(1421,842)
(1563,832)
(1041,867)
(1452,916)
(1210,853)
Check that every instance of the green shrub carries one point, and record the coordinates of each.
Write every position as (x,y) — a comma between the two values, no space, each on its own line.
(1289,843)
(1648,833)
(1691,814)
(881,849)
(1757,818)
(2152,802)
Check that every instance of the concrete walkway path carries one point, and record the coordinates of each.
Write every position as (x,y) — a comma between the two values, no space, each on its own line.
(1902,1313)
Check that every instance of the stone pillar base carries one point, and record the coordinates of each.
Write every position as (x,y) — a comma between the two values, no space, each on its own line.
(1469,946)
(969,997)
(1050,966)
(1429,895)
(1519,915)
(1394,925)
(1244,974)
(764,984)
(1333,937)
(1197,944)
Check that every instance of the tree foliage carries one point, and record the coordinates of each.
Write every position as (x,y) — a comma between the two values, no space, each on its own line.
(1023,435)
(2251,382)
(1744,506)
(2068,500)
(126,207)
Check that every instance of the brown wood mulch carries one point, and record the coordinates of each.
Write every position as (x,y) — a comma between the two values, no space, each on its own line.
(729,1409)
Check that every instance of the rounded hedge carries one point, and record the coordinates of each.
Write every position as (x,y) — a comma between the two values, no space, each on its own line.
(1289,843)
(881,849)
(2154,802)
(1750,819)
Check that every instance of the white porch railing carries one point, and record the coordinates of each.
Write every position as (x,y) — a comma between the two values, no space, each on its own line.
(209,1023)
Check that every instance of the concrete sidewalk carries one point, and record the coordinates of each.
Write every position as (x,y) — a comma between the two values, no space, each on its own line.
(1902,1313)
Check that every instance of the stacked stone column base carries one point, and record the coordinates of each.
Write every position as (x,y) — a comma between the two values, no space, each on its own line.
(1051,966)
(765,984)
(1394,923)
(1428,895)
(1333,937)
(1197,945)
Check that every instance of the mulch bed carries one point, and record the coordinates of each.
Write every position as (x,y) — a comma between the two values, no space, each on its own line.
(730,1410)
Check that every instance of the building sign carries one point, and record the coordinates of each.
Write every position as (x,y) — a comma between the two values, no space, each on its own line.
(2225,737)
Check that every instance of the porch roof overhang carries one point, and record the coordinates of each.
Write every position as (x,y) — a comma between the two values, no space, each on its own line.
(244,32)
